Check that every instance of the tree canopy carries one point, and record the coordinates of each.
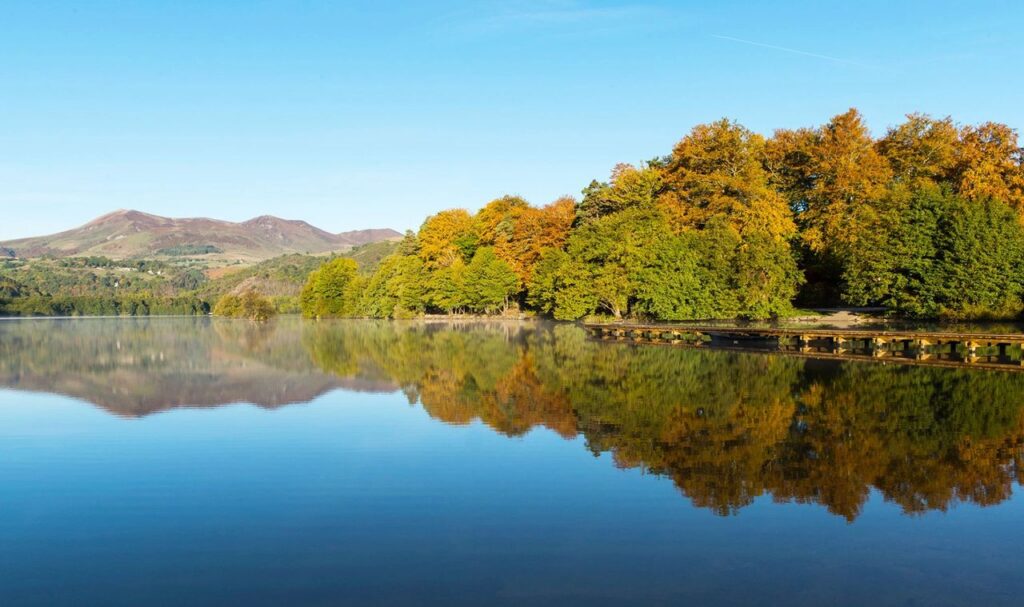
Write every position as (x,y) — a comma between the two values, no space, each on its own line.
(925,220)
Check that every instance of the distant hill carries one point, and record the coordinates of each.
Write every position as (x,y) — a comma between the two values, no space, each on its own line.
(134,234)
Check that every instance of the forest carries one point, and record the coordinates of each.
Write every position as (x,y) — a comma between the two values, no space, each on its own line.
(925,221)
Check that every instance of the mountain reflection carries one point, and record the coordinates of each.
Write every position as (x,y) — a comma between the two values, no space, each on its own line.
(725,426)
(137,366)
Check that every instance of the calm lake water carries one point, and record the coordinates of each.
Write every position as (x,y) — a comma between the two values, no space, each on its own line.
(201,462)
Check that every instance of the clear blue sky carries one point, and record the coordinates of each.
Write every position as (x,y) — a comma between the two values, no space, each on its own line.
(376,114)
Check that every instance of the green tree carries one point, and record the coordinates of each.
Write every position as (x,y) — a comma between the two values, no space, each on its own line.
(608,253)
(715,273)
(446,288)
(545,283)
(397,289)
(766,277)
(490,282)
(677,284)
(942,255)
(329,291)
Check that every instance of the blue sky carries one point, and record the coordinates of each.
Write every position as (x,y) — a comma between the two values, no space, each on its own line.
(375,114)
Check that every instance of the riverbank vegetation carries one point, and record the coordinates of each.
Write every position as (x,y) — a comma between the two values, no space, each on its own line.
(100,286)
(924,220)
(249,305)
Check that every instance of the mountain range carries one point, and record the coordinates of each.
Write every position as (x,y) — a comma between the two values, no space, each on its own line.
(134,234)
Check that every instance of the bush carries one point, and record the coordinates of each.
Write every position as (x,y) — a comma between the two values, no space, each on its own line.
(250,305)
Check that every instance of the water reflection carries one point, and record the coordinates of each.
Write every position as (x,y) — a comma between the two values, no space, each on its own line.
(725,426)
(135,367)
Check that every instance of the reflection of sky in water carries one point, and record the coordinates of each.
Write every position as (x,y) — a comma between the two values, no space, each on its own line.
(360,497)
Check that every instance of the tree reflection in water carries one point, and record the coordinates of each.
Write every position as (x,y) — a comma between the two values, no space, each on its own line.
(726,426)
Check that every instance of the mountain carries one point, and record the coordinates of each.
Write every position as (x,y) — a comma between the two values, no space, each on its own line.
(125,233)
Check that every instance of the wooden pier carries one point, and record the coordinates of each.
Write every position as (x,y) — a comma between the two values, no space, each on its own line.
(988,350)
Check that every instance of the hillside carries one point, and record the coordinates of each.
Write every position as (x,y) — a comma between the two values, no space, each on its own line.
(133,234)
(284,276)
(103,286)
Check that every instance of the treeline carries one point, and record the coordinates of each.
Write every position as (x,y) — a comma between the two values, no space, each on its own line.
(87,286)
(189,249)
(925,220)
(101,305)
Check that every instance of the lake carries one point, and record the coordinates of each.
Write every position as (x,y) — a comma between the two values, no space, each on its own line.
(183,461)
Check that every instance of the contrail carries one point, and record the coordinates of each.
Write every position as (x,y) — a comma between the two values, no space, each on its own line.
(790,50)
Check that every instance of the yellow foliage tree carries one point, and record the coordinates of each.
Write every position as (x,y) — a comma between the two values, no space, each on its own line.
(718,171)
(846,179)
(990,164)
(445,237)
(535,230)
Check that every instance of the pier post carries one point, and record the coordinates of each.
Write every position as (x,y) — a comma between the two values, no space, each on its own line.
(970,351)
(921,349)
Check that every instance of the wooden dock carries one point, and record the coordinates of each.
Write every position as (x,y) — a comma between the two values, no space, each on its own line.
(945,348)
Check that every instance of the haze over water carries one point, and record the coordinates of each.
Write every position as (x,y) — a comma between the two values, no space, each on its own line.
(197,461)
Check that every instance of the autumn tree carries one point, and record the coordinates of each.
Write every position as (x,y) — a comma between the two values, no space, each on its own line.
(249,305)
(922,150)
(535,230)
(788,160)
(628,187)
(718,171)
(446,236)
(496,222)
(977,162)
(844,179)
(990,165)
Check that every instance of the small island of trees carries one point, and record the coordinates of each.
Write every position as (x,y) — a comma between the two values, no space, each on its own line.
(249,305)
